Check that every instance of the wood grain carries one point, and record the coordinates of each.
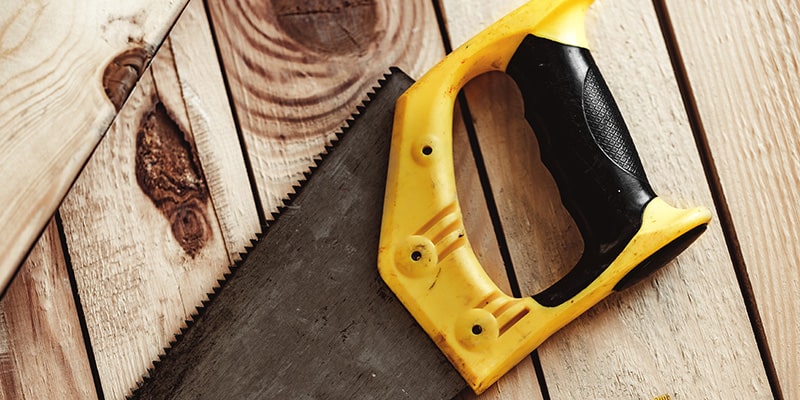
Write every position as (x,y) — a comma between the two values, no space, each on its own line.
(742,69)
(520,382)
(160,211)
(298,69)
(42,351)
(324,47)
(315,79)
(289,294)
(670,334)
(208,112)
(55,100)
(306,315)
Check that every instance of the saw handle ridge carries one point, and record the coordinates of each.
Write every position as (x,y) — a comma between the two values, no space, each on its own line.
(425,256)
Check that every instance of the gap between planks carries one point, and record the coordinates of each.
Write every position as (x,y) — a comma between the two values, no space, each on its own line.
(464,121)
(251,176)
(717,192)
(642,341)
(87,340)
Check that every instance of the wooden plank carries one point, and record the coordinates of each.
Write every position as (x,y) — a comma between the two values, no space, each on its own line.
(318,322)
(742,70)
(670,334)
(287,126)
(160,210)
(297,70)
(59,63)
(184,372)
(520,382)
(209,112)
(42,351)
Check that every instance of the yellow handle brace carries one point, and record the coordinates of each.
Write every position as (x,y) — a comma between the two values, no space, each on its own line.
(425,256)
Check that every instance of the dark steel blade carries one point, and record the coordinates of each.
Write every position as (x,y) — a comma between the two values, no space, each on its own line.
(306,315)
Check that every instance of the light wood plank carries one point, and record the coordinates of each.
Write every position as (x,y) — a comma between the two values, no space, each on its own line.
(520,382)
(742,69)
(140,270)
(53,85)
(297,70)
(160,211)
(42,351)
(209,112)
(668,335)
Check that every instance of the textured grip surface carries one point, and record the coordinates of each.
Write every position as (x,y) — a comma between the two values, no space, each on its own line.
(607,126)
(586,146)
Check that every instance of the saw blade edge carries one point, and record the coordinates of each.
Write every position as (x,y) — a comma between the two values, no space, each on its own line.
(297,187)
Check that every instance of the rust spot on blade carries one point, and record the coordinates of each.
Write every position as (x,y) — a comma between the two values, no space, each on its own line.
(169,173)
(329,26)
(122,73)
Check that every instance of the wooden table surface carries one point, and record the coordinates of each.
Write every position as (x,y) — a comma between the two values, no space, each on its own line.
(244,94)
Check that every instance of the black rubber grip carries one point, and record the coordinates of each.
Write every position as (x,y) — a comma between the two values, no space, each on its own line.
(586,146)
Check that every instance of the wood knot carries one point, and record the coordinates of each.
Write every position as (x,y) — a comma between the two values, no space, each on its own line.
(122,73)
(169,173)
(189,226)
(329,26)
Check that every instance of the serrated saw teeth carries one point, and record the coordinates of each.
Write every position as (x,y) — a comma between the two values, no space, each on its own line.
(200,310)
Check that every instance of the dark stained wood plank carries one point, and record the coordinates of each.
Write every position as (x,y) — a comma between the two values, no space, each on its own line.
(42,351)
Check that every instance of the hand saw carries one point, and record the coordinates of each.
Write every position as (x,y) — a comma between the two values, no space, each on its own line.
(306,315)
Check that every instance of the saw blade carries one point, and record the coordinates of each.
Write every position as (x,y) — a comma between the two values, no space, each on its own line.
(305,315)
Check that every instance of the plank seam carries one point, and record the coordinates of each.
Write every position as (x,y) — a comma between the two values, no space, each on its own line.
(87,341)
(487,192)
(717,192)
(228,92)
(440,20)
(203,167)
(497,225)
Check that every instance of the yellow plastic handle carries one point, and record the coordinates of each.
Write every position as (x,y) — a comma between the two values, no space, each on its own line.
(425,256)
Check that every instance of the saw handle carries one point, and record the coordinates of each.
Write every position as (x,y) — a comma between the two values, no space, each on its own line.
(587,148)
(425,256)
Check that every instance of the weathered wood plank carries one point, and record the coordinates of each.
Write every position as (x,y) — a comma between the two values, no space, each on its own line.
(59,63)
(313,294)
(143,256)
(160,211)
(286,128)
(742,69)
(42,351)
(209,112)
(318,322)
(670,334)
(520,382)
(297,70)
